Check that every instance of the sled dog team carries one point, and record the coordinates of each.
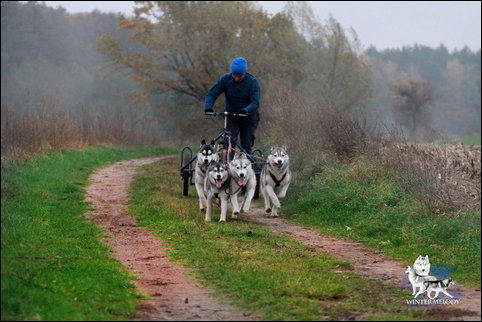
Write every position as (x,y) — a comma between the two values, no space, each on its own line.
(228,182)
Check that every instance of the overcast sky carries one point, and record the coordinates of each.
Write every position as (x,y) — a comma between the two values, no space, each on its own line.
(384,24)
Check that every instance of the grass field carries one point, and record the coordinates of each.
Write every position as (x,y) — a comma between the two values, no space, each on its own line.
(54,266)
(378,213)
(474,139)
(268,274)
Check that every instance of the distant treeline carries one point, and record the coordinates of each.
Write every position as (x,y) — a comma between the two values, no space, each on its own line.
(52,79)
(48,60)
(453,76)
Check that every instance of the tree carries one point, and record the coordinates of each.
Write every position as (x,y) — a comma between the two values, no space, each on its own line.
(335,71)
(412,100)
(191,43)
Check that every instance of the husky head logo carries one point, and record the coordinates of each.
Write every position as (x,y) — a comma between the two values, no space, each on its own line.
(422,266)
(239,168)
(278,156)
(206,154)
(218,173)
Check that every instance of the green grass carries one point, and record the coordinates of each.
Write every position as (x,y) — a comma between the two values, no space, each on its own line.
(267,274)
(53,263)
(472,140)
(363,198)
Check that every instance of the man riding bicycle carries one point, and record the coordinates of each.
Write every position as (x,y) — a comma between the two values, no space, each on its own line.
(242,94)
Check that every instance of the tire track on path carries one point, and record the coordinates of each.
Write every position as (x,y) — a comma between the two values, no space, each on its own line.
(175,295)
(370,264)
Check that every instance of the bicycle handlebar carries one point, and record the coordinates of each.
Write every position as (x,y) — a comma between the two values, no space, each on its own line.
(224,114)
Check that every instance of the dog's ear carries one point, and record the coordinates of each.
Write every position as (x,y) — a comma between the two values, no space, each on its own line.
(272,149)
(426,258)
(243,156)
(419,257)
(212,142)
(284,148)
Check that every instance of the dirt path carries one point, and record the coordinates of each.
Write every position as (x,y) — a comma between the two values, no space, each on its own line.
(175,294)
(373,265)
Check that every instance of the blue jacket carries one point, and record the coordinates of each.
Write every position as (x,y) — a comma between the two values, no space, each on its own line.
(245,94)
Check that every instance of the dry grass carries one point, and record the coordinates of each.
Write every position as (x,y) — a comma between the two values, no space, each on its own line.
(443,176)
(314,132)
(32,129)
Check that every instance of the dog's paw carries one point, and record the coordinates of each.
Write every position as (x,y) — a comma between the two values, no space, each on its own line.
(235,215)
(222,220)
(268,210)
(202,209)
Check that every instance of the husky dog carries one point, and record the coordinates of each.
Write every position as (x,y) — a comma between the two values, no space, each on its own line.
(437,287)
(216,185)
(422,266)
(206,155)
(275,178)
(417,281)
(242,178)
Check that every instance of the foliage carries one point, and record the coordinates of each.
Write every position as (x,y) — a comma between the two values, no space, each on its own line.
(188,45)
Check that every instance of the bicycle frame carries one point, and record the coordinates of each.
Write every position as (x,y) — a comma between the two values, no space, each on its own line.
(187,168)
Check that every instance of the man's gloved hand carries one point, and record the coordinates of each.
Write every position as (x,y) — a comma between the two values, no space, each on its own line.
(208,110)
(243,111)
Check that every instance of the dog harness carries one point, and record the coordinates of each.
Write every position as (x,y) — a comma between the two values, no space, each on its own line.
(223,186)
(276,181)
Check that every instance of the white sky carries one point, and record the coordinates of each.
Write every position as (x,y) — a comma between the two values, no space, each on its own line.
(384,24)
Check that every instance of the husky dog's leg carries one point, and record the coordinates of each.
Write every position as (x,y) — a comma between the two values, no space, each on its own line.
(234,202)
(419,292)
(267,206)
(202,197)
(249,197)
(414,289)
(422,290)
(282,192)
(274,199)
(446,293)
(224,209)
(430,297)
(242,202)
(209,208)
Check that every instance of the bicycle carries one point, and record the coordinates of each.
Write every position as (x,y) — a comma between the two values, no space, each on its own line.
(225,146)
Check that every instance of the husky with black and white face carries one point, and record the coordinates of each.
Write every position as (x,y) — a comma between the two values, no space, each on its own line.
(216,185)
(275,178)
(422,266)
(205,156)
(243,182)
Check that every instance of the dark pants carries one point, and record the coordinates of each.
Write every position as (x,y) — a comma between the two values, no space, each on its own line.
(246,127)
